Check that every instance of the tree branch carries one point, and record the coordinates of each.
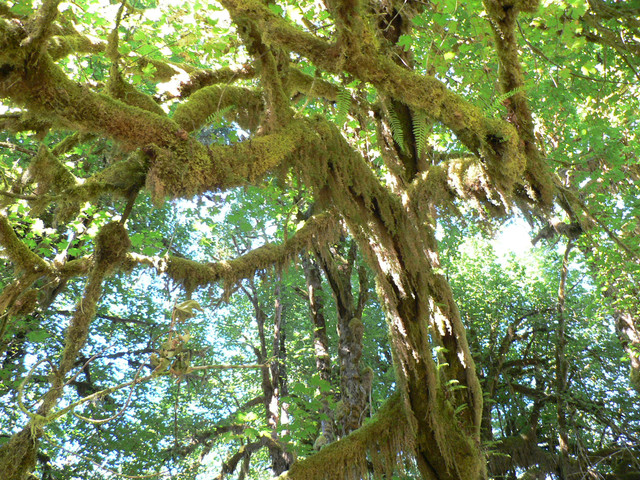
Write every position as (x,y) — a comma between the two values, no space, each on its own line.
(193,275)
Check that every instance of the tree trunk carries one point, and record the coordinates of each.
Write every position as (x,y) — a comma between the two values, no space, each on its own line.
(320,340)
(423,317)
(355,383)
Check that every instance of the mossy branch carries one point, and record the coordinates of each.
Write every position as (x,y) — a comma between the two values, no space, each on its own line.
(193,275)
(192,114)
(224,166)
(278,30)
(120,89)
(57,184)
(310,86)
(463,179)
(40,24)
(48,93)
(203,78)
(19,254)
(61,46)
(494,140)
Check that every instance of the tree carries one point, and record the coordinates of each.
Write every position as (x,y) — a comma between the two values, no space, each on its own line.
(376,121)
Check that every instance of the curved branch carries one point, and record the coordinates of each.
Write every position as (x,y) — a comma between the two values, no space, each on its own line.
(21,256)
(193,275)
(494,140)
(204,78)
(245,107)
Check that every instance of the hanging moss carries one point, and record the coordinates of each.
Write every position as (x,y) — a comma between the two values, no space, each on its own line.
(193,275)
(51,177)
(383,444)
(18,456)
(21,256)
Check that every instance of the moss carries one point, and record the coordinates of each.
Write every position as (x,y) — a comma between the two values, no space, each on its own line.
(297,81)
(112,245)
(357,328)
(22,257)
(383,444)
(203,78)
(219,166)
(366,376)
(530,6)
(47,92)
(62,45)
(120,179)
(192,275)
(49,173)
(246,107)
(634,378)
(122,90)
(320,442)
(18,455)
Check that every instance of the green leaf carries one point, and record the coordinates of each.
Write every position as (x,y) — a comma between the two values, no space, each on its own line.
(38,336)
(186,309)
(405,41)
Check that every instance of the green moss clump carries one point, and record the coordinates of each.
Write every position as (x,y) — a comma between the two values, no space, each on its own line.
(530,6)
(357,328)
(382,444)
(112,244)
(18,455)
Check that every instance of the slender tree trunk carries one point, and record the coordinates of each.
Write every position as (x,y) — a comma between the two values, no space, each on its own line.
(320,339)
(18,456)
(355,382)
(273,377)
(562,367)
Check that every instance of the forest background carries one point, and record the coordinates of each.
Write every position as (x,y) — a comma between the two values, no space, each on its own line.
(255,238)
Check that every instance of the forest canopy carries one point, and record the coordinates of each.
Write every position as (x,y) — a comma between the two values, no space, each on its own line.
(342,239)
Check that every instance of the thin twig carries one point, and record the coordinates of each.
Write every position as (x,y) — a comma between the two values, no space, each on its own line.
(17,148)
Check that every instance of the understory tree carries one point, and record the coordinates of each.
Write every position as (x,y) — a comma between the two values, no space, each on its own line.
(250,238)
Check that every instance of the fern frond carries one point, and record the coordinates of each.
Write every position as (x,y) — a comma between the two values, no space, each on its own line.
(216,117)
(502,97)
(343,103)
(421,129)
(396,129)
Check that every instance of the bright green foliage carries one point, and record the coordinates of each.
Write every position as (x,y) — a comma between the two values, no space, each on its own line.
(169,179)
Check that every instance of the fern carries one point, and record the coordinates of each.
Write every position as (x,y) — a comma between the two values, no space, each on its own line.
(342,105)
(396,130)
(497,102)
(216,117)
(421,129)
